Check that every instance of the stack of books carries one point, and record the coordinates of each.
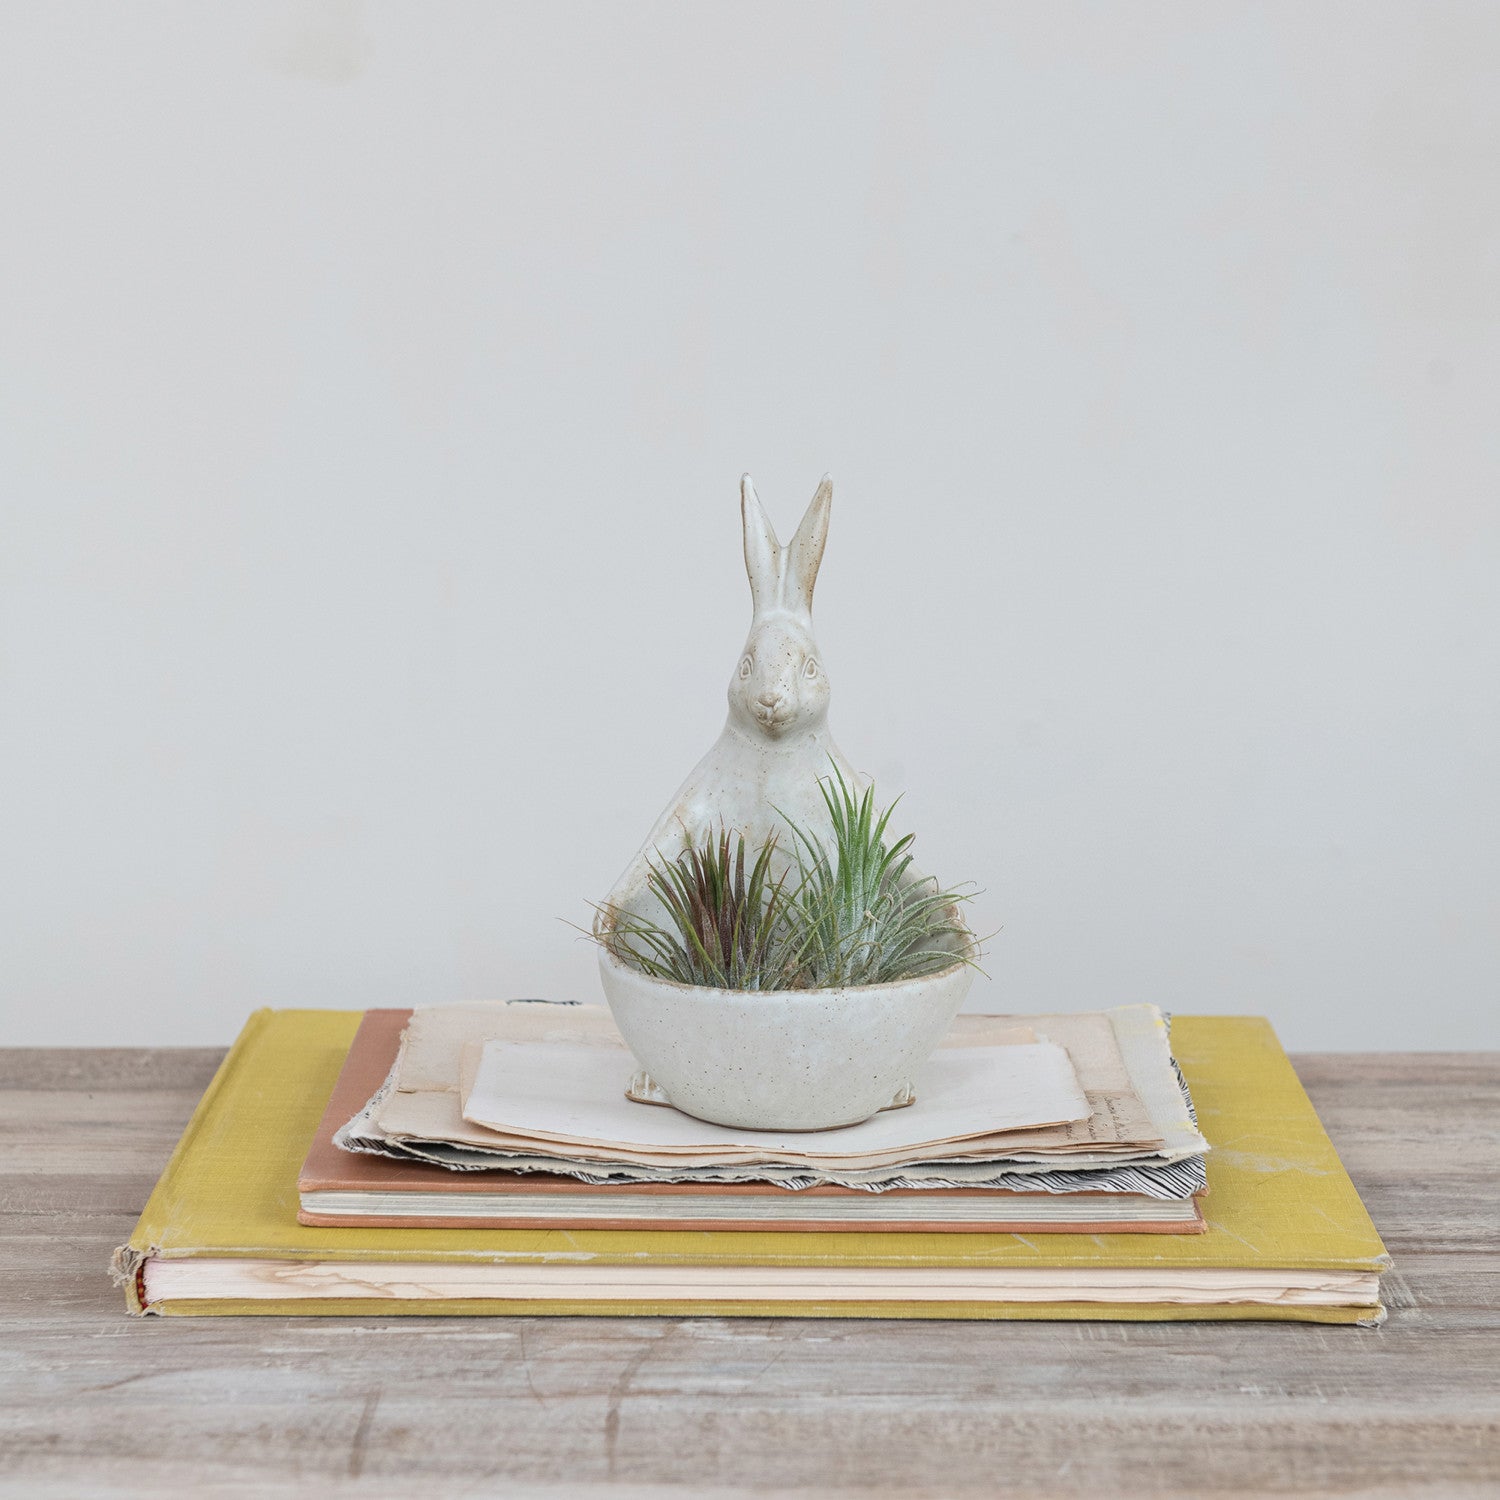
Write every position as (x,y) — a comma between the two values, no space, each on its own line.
(509,1157)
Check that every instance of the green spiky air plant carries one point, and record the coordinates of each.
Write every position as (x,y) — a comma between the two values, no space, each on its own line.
(728,929)
(867,919)
(851,915)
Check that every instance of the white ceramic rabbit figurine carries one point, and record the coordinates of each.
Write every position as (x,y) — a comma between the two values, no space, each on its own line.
(775,744)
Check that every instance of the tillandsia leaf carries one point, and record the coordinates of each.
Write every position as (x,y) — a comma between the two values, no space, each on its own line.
(723,926)
(869,920)
(849,913)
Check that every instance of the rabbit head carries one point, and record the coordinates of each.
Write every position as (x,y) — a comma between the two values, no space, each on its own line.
(779,689)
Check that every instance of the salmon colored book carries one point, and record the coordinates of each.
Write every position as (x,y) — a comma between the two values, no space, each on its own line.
(338,1187)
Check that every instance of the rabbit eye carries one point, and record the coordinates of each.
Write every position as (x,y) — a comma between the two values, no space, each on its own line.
(745,665)
(811,669)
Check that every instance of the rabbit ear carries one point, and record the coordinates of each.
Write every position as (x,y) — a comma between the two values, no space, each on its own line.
(805,550)
(762,551)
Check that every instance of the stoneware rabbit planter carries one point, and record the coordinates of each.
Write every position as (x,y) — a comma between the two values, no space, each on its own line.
(771,1059)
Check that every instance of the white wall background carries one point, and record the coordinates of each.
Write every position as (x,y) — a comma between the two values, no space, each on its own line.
(360,364)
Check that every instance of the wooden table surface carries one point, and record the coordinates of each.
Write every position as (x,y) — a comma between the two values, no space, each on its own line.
(94,1403)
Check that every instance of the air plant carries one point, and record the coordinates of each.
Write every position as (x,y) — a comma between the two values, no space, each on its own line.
(854,914)
(868,919)
(728,930)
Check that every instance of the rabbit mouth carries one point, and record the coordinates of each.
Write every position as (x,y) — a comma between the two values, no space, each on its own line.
(770,719)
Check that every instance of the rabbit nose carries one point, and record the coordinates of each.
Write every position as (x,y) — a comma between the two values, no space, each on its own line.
(770,699)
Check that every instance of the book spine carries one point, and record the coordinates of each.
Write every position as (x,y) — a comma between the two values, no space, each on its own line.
(127,1263)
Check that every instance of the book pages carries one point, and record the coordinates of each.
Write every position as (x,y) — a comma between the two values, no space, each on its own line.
(428,1064)
(243,1277)
(1121,1058)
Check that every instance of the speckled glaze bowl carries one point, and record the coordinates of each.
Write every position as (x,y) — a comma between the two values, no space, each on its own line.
(782,1059)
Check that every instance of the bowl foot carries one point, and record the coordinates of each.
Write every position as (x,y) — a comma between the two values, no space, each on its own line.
(643,1089)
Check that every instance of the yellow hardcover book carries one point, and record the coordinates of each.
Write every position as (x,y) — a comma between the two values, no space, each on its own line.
(1287,1237)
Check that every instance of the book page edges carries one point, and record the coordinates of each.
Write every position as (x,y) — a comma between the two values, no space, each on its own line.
(1078,1312)
(1194,1225)
(225,1278)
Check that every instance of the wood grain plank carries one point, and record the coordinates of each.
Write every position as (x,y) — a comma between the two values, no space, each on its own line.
(80,1069)
(91,1402)
(689,1402)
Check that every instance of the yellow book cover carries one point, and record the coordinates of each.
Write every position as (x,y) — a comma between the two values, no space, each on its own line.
(1278,1199)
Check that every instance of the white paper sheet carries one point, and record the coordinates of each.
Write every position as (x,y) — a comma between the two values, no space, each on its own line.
(572,1094)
